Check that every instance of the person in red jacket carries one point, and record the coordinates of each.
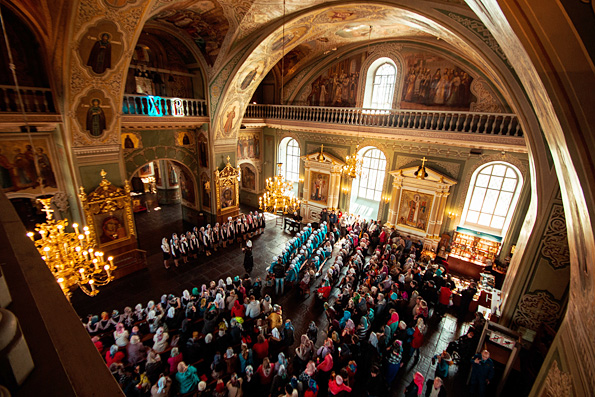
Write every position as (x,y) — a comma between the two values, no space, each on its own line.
(418,337)
(238,310)
(336,386)
(261,348)
(114,356)
(443,299)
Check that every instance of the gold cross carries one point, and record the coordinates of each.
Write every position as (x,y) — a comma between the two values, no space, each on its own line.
(227,159)
(46,207)
(423,161)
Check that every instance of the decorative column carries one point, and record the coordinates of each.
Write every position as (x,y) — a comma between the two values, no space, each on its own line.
(395,196)
(440,213)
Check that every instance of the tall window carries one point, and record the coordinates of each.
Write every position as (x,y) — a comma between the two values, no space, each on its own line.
(289,155)
(373,172)
(384,86)
(492,197)
(381,78)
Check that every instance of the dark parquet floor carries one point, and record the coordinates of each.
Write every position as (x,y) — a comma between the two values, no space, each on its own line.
(155,280)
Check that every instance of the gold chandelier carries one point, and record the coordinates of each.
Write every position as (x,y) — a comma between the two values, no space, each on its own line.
(353,165)
(71,257)
(279,195)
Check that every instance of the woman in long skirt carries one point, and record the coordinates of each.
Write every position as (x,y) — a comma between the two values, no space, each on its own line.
(215,236)
(166,252)
(231,231)
(223,235)
(175,251)
(248,258)
(184,248)
(192,245)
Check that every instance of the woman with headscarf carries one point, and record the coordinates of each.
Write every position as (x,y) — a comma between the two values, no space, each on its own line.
(234,386)
(186,298)
(363,328)
(135,351)
(120,335)
(303,353)
(215,236)
(113,356)
(346,316)
(416,386)
(231,360)
(336,386)
(231,231)
(187,378)
(245,357)
(250,386)
(154,366)
(281,360)
(395,355)
(160,340)
(312,332)
(248,258)
(162,387)
(176,251)
(166,252)
(279,381)
(238,309)
(174,359)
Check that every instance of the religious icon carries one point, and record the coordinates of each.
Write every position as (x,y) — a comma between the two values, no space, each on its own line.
(229,121)
(128,143)
(319,187)
(228,199)
(95,118)
(249,78)
(112,229)
(100,57)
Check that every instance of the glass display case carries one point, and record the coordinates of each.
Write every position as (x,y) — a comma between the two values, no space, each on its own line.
(474,246)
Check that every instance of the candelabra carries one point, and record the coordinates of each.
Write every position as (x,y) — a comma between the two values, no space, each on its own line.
(71,257)
(279,195)
(353,165)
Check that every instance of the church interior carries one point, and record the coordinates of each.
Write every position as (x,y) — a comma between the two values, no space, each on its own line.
(462,125)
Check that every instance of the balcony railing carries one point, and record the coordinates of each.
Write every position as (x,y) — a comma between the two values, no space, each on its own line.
(503,124)
(144,105)
(35,100)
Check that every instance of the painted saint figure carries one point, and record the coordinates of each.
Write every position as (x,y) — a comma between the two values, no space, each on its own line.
(229,121)
(100,57)
(95,118)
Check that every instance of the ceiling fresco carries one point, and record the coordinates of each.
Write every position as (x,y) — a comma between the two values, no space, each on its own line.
(204,21)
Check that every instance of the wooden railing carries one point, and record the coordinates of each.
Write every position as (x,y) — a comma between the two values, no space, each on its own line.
(144,105)
(35,100)
(503,124)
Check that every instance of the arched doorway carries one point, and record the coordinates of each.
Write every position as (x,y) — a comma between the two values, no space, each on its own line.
(162,192)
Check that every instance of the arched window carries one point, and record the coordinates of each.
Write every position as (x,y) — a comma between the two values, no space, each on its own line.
(492,197)
(380,84)
(289,155)
(384,86)
(373,172)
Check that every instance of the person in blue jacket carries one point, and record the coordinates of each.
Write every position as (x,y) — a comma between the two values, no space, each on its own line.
(482,373)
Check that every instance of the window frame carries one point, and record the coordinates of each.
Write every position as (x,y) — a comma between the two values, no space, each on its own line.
(374,192)
(488,188)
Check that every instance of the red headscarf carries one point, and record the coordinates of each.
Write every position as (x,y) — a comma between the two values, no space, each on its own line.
(418,378)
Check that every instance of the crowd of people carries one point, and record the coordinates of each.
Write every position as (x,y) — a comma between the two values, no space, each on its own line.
(207,239)
(230,339)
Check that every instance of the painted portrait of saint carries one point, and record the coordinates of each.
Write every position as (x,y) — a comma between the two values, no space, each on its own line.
(112,230)
(95,118)
(100,57)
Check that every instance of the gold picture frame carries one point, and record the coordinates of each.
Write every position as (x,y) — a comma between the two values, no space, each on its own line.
(227,188)
(108,212)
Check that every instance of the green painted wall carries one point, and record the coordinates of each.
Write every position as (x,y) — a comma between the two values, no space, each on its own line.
(91,177)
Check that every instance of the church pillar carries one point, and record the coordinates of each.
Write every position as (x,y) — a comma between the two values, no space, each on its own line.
(394,200)
(437,218)
(538,293)
(306,190)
